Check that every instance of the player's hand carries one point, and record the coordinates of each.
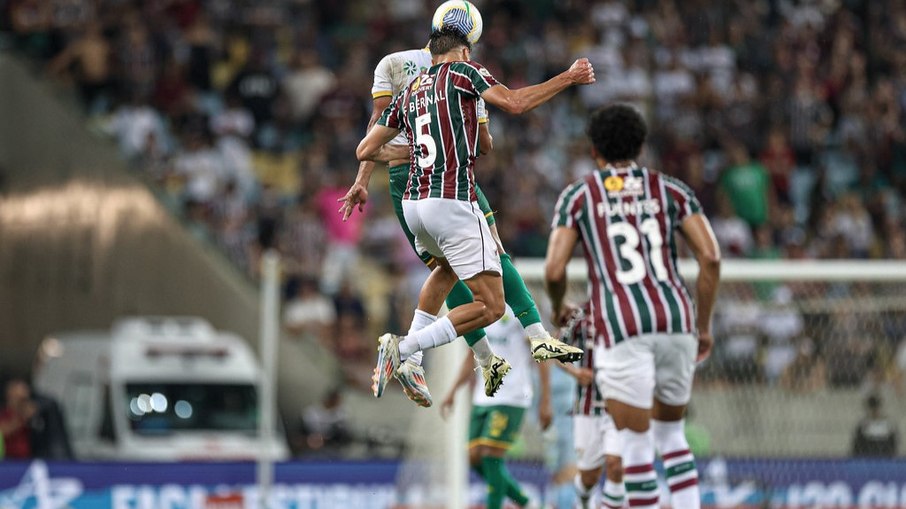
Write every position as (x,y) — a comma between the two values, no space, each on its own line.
(581,72)
(446,406)
(564,314)
(356,196)
(545,415)
(584,376)
(705,344)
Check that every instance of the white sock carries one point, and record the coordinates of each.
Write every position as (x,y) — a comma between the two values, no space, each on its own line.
(482,351)
(582,492)
(614,493)
(421,320)
(438,333)
(679,463)
(639,474)
(536,330)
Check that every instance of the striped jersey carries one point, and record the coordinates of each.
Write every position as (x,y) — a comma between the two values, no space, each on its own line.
(438,112)
(589,399)
(626,219)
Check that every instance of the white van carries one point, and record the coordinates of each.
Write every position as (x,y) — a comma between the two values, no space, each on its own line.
(157,389)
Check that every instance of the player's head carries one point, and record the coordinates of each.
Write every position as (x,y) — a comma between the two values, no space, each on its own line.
(617,132)
(449,40)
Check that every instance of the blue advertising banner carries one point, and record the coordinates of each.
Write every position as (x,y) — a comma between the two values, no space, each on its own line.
(731,483)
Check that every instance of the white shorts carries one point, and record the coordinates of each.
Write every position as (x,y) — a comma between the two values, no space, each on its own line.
(595,437)
(641,368)
(455,230)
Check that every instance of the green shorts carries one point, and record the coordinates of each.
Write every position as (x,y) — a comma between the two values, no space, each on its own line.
(495,426)
(399,176)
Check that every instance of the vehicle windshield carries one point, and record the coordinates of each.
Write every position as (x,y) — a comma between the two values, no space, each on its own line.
(161,408)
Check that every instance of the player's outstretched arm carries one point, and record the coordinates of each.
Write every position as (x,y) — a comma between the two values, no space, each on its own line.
(697,231)
(357,195)
(559,249)
(528,98)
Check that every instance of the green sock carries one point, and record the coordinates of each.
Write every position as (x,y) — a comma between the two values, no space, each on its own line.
(513,491)
(493,470)
(516,293)
(459,295)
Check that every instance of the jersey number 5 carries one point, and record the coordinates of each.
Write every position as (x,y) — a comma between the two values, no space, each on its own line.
(629,250)
(426,143)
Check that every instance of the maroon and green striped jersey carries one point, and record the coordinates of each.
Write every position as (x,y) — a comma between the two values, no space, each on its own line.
(438,113)
(627,219)
(579,333)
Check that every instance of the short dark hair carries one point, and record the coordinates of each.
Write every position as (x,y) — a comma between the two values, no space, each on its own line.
(617,132)
(447,39)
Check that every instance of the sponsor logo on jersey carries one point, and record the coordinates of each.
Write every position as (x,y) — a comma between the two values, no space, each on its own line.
(484,72)
(624,186)
(410,67)
(613,183)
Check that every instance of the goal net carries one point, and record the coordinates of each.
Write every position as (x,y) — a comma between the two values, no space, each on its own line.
(797,404)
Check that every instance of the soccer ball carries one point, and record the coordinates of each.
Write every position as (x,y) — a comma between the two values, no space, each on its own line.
(461,15)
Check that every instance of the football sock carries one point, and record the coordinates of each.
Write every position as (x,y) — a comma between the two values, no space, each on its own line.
(438,333)
(482,351)
(513,490)
(639,475)
(421,320)
(517,295)
(679,463)
(614,493)
(535,330)
(459,295)
(493,475)
(582,491)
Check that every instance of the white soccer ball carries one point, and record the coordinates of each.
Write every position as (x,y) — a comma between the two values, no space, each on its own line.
(461,15)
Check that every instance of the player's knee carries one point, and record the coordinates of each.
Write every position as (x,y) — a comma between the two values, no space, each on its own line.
(496,309)
(614,468)
(589,478)
(475,456)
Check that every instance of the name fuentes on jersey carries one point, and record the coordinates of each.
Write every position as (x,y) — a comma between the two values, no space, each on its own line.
(630,208)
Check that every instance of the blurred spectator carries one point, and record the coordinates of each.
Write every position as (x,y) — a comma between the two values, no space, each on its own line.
(733,234)
(306,83)
(342,252)
(875,435)
(807,372)
(308,313)
(324,427)
(748,186)
(49,435)
(200,165)
(780,323)
(88,60)
(778,158)
(135,122)
(257,88)
(15,417)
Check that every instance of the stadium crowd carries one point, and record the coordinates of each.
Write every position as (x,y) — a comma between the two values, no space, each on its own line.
(785,116)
